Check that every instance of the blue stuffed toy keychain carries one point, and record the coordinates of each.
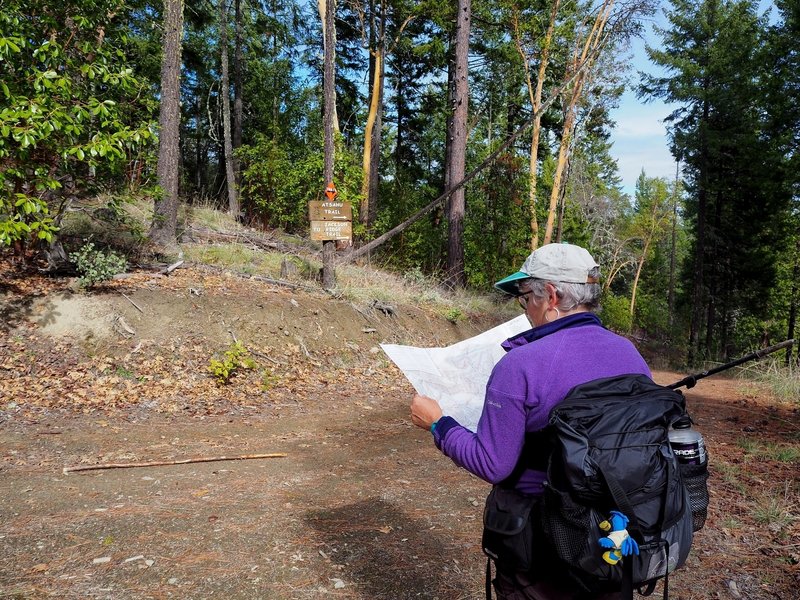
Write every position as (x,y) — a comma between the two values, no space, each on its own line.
(618,542)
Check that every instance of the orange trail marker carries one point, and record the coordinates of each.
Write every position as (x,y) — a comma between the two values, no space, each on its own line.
(330,191)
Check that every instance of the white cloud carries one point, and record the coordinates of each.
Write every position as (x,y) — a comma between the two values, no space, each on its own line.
(640,141)
(631,125)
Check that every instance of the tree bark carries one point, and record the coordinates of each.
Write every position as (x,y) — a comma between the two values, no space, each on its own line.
(793,302)
(322,6)
(593,43)
(372,143)
(535,95)
(230,174)
(698,282)
(165,208)
(329,117)
(456,275)
(238,102)
(673,249)
(638,274)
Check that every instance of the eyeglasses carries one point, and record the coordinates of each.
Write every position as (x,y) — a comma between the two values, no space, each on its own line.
(523,299)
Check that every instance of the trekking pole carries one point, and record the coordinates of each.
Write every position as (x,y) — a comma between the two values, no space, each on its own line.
(691,380)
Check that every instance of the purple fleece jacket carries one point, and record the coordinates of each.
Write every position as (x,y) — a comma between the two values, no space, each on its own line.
(541,366)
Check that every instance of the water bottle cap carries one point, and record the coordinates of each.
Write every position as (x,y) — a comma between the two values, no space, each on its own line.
(682,423)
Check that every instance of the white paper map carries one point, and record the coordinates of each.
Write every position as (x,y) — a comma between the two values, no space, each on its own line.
(456,376)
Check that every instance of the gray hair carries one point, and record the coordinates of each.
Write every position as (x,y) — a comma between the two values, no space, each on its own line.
(570,295)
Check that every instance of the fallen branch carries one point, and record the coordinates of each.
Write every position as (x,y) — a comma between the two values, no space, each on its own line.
(159,463)
(139,308)
(280,282)
(171,268)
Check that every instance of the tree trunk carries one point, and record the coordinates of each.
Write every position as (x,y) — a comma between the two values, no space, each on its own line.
(715,271)
(793,302)
(456,275)
(238,102)
(198,140)
(535,95)
(329,117)
(639,266)
(401,111)
(322,6)
(224,90)
(673,250)
(594,41)
(698,282)
(372,143)
(165,208)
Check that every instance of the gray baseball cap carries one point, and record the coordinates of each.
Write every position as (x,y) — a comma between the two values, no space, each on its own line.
(553,262)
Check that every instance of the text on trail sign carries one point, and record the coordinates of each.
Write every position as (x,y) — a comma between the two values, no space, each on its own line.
(331,230)
(329,211)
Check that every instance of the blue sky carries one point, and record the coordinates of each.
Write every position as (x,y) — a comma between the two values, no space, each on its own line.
(640,137)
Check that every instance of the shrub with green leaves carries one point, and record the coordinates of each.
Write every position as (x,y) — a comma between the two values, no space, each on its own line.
(71,108)
(277,185)
(615,312)
(234,358)
(96,266)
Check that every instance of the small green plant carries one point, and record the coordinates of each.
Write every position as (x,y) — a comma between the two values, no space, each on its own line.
(750,447)
(415,276)
(96,266)
(454,315)
(124,373)
(730,474)
(774,512)
(783,453)
(268,380)
(234,358)
(731,523)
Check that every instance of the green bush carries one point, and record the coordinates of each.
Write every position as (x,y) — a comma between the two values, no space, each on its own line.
(96,266)
(616,312)
(234,358)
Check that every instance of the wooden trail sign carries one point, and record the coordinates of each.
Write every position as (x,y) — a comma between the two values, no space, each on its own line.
(330,219)
(331,230)
(329,211)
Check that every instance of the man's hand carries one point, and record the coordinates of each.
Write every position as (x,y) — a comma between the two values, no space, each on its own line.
(424,411)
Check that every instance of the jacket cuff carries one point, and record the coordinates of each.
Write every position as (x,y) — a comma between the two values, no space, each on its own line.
(443,425)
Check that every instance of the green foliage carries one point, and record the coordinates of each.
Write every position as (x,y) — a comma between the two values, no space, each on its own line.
(234,358)
(733,159)
(497,225)
(652,314)
(96,266)
(278,185)
(616,313)
(268,380)
(454,315)
(72,110)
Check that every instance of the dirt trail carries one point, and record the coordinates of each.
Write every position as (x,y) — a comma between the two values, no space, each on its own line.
(363,506)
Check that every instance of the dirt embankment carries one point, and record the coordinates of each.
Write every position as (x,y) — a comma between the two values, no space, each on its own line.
(361,507)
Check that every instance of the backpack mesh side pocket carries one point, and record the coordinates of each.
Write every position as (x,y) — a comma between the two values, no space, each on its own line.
(695,478)
(565,523)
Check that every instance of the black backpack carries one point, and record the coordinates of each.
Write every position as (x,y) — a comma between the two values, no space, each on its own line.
(611,452)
